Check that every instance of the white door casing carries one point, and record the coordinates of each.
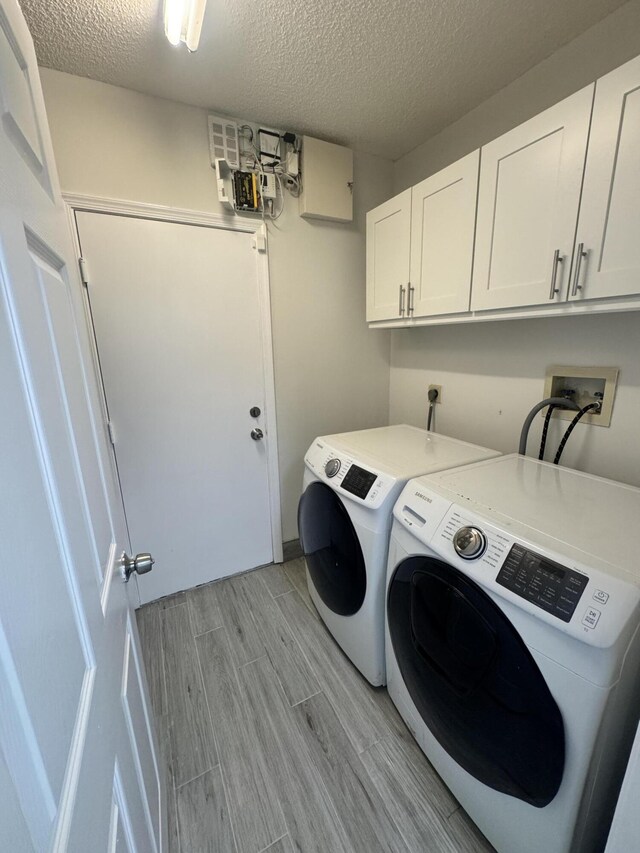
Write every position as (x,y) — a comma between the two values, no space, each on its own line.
(528,198)
(78,766)
(443,219)
(609,221)
(183,340)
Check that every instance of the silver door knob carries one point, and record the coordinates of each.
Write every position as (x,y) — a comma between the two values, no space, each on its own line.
(257,434)
(141,563)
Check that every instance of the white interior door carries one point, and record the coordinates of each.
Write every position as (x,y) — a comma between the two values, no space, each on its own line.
(530,181)
(78,770)
(177,316)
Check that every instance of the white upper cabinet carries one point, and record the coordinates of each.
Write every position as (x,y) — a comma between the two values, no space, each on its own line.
(388,246)
(540,220)
(443,213)
(608,235)
(528,200)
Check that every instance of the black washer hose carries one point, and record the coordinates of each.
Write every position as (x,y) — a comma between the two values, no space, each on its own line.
(433,396)
(430,417)
(565,437)
(550,401)
(545,430)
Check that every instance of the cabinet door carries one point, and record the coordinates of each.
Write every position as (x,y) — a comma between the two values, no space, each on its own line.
(608,236)
(388,244)
(528,199)
(443,218)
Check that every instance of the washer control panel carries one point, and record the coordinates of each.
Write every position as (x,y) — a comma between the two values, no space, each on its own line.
(543,582)
(592,602)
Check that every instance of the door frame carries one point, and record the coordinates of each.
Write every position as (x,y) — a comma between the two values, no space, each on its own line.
(76,202)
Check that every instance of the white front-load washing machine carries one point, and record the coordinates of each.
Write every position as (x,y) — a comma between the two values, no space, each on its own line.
(350,485)
(513,649)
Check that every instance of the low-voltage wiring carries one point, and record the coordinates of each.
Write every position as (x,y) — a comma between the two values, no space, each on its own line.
(284,181)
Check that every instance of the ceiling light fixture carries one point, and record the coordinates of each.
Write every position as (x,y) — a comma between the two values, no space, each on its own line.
(183,21)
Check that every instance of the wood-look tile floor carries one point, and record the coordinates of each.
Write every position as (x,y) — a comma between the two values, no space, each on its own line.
(273,741)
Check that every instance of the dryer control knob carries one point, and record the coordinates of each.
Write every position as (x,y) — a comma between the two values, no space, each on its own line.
(332,467)
(470,543)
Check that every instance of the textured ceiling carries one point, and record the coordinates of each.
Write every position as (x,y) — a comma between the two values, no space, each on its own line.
(378,75)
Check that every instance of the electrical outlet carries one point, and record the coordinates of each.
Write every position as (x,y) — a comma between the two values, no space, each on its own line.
(588,385)
(437,388)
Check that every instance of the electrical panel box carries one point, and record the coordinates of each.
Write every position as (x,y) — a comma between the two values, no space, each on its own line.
(327,181)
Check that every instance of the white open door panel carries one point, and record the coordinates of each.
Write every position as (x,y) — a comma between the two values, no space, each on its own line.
(76,773)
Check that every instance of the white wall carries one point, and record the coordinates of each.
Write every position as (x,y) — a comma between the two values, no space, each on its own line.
(493,373)
(332,373)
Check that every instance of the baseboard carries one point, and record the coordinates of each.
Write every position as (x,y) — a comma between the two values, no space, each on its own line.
(291,550)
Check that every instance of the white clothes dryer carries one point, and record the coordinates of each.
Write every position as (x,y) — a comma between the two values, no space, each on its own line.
(513,649)
(350,485)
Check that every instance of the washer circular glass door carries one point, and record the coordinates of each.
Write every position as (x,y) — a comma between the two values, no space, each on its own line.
(474,681)
(332,550)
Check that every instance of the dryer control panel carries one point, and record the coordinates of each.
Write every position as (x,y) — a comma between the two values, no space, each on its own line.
(358,481)
(366,486)
(542,581)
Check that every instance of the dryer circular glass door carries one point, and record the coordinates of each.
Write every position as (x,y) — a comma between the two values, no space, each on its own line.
(332,550)
(474,682)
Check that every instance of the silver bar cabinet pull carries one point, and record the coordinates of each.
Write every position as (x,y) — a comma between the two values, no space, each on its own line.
(410,301)
(580,254)
(557,260)
(401,303)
